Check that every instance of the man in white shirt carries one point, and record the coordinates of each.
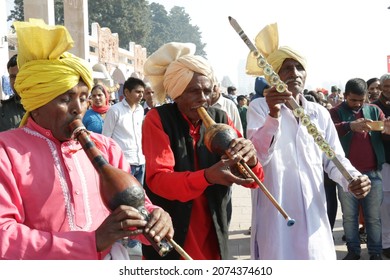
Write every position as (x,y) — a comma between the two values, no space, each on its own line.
(123,123)
(293,163)
(217,100)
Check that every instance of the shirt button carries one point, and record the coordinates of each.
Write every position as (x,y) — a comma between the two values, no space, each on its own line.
(77,192)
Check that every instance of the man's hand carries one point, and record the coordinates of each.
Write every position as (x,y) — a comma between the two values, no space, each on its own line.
(123,221)
(159,225)
(386,124)
(360,187)
(243,148)
(225,172)
(274,99)
(360,125)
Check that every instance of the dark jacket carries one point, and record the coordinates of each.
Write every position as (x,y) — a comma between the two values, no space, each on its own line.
(11,113)
(386,138)
(371,112)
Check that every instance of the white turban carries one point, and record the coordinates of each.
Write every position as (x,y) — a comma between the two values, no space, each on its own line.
(171,68)
(267,42)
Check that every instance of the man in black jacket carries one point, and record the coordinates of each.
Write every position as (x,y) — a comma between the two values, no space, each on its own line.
(182,176)
(11,110)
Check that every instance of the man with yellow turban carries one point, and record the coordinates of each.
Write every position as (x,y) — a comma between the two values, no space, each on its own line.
(293,163)
(50,204)
(182,176)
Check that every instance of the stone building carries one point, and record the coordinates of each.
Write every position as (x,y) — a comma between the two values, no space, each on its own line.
(111,65)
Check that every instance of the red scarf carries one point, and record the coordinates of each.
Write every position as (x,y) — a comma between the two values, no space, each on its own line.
(102,109)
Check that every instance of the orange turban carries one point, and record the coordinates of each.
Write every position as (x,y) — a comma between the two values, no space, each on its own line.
(171,68)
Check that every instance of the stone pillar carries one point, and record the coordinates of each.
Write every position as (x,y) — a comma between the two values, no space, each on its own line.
(3,43)
(3,39)
(43,9)
(76,21)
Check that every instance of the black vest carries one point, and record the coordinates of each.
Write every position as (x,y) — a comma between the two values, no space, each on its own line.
(176,127)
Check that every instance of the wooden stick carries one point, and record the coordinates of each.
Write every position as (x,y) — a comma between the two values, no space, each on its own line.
(245,169)
(180,250)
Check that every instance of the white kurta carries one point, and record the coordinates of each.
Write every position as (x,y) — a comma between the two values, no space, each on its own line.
(231,110)
(293,167)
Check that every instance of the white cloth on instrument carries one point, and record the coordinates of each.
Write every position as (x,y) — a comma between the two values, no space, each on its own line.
(293,169)
(117,252)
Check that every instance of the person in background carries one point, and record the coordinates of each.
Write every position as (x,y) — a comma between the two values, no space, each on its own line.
(242,106)
(260,85)
(149,100)
(123,123)
(232,94)
(383,102)
(50,204)
(364,148)
(11,110)
(373,88)
(251,96)
(335,97)
(293,163)
(182,175)
(100,103)
(217,100)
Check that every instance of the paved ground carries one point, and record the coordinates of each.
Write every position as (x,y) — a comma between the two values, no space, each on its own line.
(239,238)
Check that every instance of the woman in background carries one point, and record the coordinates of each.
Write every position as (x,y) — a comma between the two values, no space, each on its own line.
(94,117)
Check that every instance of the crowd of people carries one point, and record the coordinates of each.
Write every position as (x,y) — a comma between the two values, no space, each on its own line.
(51,205)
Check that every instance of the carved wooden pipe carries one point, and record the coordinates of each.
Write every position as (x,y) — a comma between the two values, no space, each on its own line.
(217,140)
(118,187)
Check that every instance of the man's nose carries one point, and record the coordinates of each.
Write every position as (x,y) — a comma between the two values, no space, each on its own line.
(77,108)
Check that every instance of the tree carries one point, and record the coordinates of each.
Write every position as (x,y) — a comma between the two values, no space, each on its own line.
(59,12)
(183,31)
(135,21)
(160,27)
(129,18)
(18,13)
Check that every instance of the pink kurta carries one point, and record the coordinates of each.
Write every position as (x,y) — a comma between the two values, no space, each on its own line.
(50,203)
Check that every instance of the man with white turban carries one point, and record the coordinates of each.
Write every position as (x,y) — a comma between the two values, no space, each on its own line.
(293,163)
(50,204)
(182,176)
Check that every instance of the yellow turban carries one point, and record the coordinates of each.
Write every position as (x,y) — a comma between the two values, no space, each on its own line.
(267,42)
(46,70)
(171,68)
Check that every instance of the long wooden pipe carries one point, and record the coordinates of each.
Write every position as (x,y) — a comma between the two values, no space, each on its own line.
(217,140)
(118,187)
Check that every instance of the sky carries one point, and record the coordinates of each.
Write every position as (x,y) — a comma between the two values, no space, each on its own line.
(340,39)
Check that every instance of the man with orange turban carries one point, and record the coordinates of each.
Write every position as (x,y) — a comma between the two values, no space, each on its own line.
(190,182)
(293,163)
(50,205)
